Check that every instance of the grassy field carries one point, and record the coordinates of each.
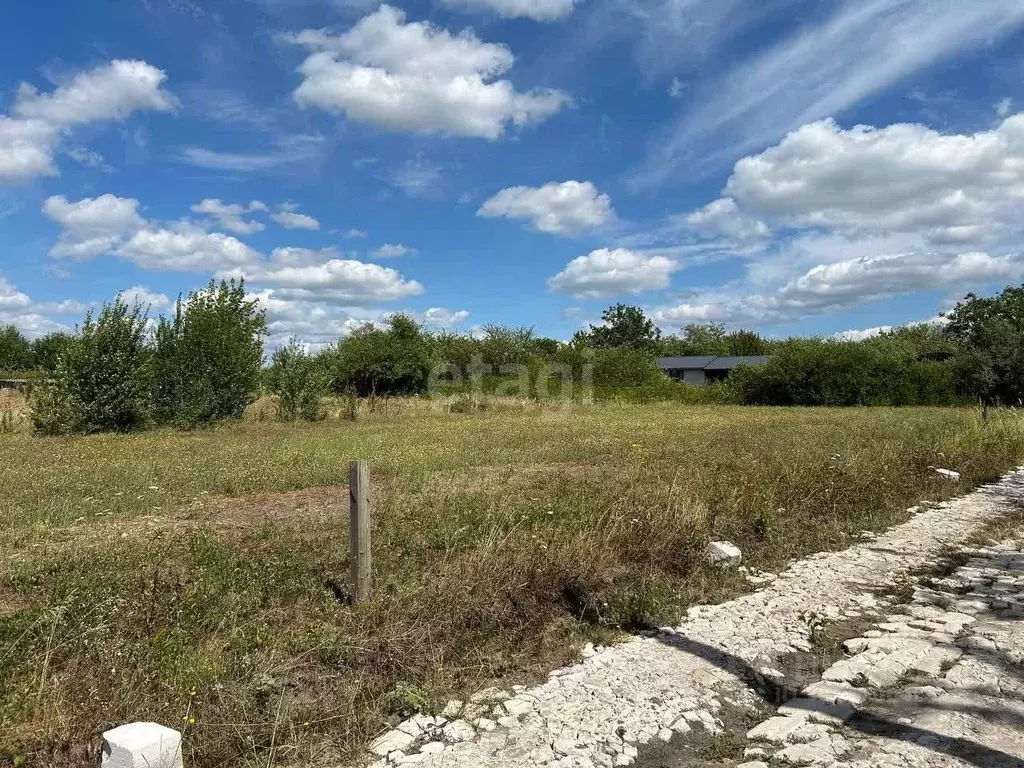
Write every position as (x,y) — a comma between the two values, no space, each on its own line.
(194,579)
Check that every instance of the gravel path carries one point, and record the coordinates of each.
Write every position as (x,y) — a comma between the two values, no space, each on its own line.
(652,696)
(938,685)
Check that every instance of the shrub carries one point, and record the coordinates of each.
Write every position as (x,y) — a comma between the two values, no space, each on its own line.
(299,383)
(832,373)
(374,361)
(102,380)
(208,356)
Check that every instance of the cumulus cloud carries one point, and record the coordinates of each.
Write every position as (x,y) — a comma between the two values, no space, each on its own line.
(538,10)
(314,324)
(182,246)
(110,224)
(441,317)
(31,133)
(605,272)
(417,77)
(950,188)
(289,218)
(723,218)
(19,310)
(344,281)
(843,284)
(565,208)
(91,226)
(147,298)
(230,216)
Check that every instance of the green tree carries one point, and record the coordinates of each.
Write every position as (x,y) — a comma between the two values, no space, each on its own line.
(208,356)
(102,381)
(391,361)
(299,383)
(15,350)
(625,327)
(707,339)
(502,346)
(989,337)
(47,350)
(745,343)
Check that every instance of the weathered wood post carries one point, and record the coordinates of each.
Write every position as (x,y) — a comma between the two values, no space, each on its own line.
(359,530)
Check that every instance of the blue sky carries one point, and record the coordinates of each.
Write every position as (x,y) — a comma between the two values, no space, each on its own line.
(794,166)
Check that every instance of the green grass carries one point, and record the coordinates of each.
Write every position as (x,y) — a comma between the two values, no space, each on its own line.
(188,578)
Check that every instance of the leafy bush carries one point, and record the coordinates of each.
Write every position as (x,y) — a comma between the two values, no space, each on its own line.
(372,361)
(299,383)
(103,379)
(208,356)
(834,373)
(989,334)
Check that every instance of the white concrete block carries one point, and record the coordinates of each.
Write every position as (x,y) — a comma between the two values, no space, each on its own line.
(141,745)
(724,554)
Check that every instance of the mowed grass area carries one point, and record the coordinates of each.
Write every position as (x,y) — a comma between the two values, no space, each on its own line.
(194,579)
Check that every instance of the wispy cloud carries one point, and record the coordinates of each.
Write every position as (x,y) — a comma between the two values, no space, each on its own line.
(292,149)
(861,49)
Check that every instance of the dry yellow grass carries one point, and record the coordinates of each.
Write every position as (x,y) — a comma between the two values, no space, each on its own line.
(187,577)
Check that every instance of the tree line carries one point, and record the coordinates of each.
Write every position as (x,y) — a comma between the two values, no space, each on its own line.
(123,371)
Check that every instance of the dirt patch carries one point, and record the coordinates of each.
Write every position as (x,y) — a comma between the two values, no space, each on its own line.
(700,749)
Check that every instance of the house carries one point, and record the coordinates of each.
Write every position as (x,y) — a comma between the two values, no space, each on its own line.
(698,370)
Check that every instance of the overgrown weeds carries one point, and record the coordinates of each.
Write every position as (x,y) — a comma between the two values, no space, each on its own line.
(181,578)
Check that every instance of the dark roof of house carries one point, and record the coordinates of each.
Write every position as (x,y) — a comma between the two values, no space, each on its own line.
(691,363)
(708,362)
(728,363)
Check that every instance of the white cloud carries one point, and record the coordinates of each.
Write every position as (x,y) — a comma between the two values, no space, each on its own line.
(870,333)
(605,272)
(301,257)
(417,77)
(345,281)
(30,134)
(1004,107)
(568,208)
(389,251)
(830,287)
(417,178)
(538,10)
(147,298)
(862,48)
(441,317)
(358,233)
(950,188)
(231,216)
(92,225)
(17,309)
(723,218)
(288,150)
(110,92)
(312,323)
(185,247)
(291,219)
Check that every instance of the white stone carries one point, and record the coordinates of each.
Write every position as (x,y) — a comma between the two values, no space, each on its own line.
(947,474)
(141,745)
(432,748)
(392,741)
(724,554)
(458,731)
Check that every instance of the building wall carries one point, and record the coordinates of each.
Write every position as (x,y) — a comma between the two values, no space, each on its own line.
(695,378)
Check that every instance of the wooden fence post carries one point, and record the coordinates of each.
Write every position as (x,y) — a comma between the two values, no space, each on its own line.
(359,530)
